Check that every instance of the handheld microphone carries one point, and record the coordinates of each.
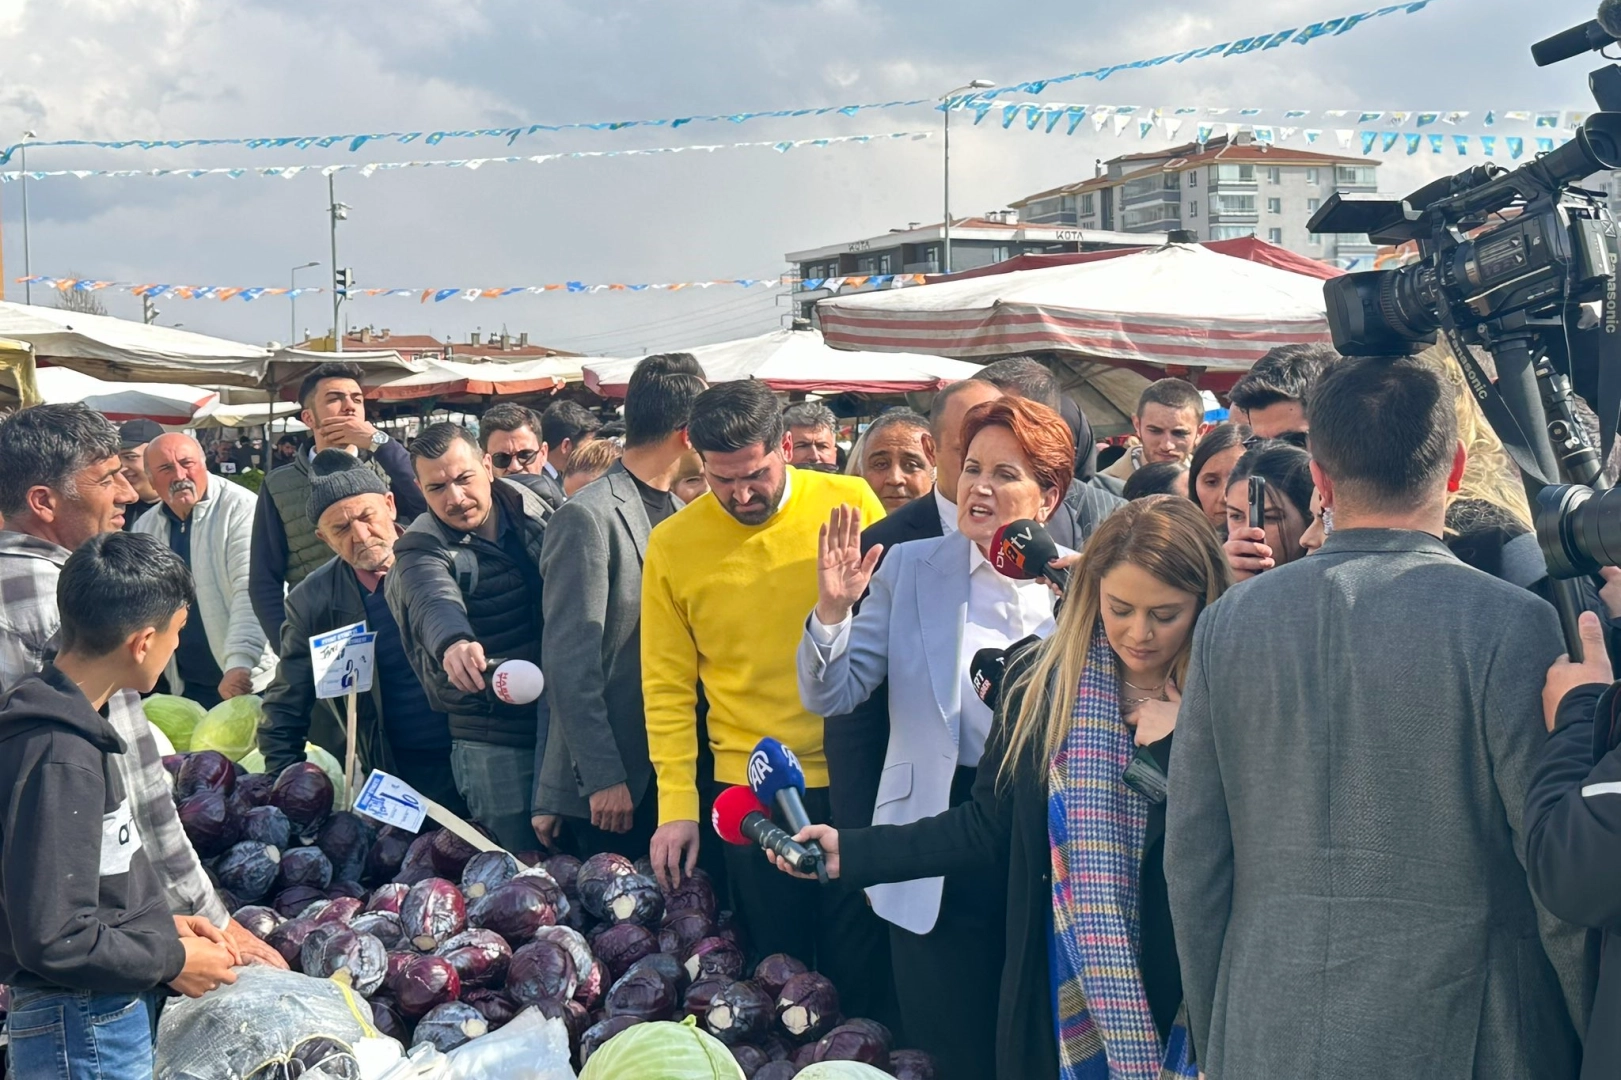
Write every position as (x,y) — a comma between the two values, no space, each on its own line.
(777,779)
(988,669)
(1590,36)
(1023,549)
(739,818)
(516,682)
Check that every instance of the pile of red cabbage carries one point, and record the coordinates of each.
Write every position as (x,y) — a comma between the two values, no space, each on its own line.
(448,943)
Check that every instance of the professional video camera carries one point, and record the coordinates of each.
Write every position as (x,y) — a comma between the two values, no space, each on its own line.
(1506,259)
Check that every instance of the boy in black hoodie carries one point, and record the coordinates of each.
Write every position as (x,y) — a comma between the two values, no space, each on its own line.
(86,938)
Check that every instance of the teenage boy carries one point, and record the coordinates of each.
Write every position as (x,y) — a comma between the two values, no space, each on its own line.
(87,943)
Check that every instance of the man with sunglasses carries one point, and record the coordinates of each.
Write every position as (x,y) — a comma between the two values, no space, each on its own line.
(510,434)
(1273,395)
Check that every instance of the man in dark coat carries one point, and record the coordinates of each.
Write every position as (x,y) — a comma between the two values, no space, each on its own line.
(465,590)
(397,730)
(1344,851)
(596,771)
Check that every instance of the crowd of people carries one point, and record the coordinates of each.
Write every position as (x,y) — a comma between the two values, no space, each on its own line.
(1261,791)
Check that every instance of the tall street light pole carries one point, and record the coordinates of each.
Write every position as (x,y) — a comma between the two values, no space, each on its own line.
(292,302)
(977,84)
(28,268)
(338,212)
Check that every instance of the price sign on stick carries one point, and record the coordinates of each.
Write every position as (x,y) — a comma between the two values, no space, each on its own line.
(341,662)
(392,801)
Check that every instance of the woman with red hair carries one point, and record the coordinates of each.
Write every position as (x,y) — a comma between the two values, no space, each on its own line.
(931,606)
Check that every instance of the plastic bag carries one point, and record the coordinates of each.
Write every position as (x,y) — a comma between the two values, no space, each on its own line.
(530,1047)
(265,1020)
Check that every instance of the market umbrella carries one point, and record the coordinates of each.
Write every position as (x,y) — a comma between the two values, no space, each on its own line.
(166,403)
(798,361)
(1178,305)
(17,364)
(455,378)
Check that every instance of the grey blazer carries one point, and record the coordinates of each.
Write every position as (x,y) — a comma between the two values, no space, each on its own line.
(1343,852)
(591,646)
(909,629)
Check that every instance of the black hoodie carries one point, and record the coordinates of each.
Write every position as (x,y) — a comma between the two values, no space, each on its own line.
(80,906)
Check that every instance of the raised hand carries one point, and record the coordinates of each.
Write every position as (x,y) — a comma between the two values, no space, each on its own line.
(842,573)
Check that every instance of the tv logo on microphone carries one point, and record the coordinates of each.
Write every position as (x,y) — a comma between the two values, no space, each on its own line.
(759,768)
(1011,553)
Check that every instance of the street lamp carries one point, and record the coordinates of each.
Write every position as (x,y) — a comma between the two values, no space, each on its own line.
(292,302)
(337,212)
(977,84)
(28,270)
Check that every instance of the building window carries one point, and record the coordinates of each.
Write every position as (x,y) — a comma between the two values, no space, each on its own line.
(1311,177)
(1086,205)
(1001,253)
(1274,206)
(1240,174)
(1314,239)
(1274,175)
(1274,236)
(1193,208)
(1234,204)
(1193,178)
(1358,175)
(1312,205)
(1230,232)
(1148,215)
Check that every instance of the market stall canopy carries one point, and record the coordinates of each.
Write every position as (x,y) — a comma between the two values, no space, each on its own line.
(126,351)
(170,404)
(221,414)
(798,361)
(1249,248)
(453,378)
(1178,305)
(18,388)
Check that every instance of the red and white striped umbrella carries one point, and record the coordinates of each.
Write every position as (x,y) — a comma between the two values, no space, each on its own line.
(170,404)
(1176,305)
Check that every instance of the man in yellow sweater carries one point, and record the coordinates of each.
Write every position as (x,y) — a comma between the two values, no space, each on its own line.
(727,585)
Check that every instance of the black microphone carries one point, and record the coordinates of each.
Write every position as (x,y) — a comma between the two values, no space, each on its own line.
(739,818)
(988,668)
(1590,36)
(775,776)
(1023,549)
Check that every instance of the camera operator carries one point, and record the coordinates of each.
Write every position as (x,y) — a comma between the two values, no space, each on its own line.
(1573,826)
(1358,730)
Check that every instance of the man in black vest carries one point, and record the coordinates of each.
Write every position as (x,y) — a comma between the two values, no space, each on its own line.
(285,547)
(465,589)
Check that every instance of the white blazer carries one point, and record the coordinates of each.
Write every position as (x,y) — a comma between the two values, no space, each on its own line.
(221,540)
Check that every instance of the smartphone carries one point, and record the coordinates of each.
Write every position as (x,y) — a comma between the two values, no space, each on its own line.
(1257,502)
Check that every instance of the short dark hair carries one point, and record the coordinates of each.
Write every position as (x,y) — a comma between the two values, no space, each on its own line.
(436,440)
(937,407)
(287,440)
(810,414)
(118,584)
(565,420)
(48,444)
(734,415)
(1155,478)
(1022,376)
(1385,428)
(1287,373)
(506,416)
(658,400)
(902,416)
(335,370)
(1177,394)
(1283,466)
(672,363)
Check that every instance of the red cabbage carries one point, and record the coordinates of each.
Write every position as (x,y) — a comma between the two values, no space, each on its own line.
(341,912)
(385,855)
(620,946)
(291,903)
(304,793)
(739,1013)
(449,854)
(449,1025)
(565,870)
(357,960)
(424,982)
(540,970)
(256,920)
(480,957)
(288,939)
(701,994)
(599,1033)
(382,925)
(267,825)
(251,791)
(773,973)
(776,1070)
(515,910)
(496,1008)
(715,956)
(208,823)
(305,866)
(854,1042)
(249,869)
(385,1016)
(432,912)
(485,871)
(912,1065)
(594,876)
(645,994)
(808,1006)
(345,839)
(388,897)
(696,892)
(633,898)
(751,1059)
(206,770)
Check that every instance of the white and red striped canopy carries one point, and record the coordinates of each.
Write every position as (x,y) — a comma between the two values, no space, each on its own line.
(1176,305)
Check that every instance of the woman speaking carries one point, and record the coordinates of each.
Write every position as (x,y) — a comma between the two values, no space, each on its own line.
(1090,985)
(931,607)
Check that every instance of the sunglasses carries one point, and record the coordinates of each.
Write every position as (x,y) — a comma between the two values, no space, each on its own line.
(522,457)
(1293,438)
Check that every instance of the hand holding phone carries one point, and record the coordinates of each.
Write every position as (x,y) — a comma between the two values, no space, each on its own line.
(1257,502)
(1246,549)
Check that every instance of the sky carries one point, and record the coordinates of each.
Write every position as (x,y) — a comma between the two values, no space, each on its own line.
(107,69)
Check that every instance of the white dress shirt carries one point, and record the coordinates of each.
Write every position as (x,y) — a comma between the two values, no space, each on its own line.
(948,512)
(1000,612)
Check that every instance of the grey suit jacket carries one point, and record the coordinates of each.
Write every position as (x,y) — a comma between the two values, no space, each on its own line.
(1343,851)
(591,646)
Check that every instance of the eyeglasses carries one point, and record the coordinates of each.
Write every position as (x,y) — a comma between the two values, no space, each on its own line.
(522,457)
(1293,438)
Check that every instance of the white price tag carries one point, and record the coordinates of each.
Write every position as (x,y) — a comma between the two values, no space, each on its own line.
(392,801)
(342,661)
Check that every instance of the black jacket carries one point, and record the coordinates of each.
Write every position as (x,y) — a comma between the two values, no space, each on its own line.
(80,906)
(1085,506)
(542,484)
(855,743)
(1003,831)
(328,598)
(448,586)
(1573,849)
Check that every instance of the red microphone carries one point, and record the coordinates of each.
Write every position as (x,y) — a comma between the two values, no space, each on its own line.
(1023,550)
(740,818)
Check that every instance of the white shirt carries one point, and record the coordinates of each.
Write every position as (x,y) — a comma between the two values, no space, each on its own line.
(948,512)
(1000,612)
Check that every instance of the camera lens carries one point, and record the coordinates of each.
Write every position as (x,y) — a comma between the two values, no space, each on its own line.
(1579,531)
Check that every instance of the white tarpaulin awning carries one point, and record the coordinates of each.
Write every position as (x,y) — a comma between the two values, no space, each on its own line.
(798,361)
(166,403)
(455,378)
(122,350)
(1178,304)
(221,414)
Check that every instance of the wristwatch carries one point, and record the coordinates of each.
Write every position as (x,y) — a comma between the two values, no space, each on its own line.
(378,438)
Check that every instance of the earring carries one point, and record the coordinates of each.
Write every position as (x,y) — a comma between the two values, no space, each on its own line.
(1328,520)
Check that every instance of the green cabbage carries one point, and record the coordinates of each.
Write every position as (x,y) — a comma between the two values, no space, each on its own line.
(231,727)
(329,765)
(253,761)
(175,716)
(841,1070)
(665,1050)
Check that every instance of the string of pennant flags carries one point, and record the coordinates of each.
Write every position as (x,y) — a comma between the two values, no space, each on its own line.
(287,172)
(1048,115)
(250,293)
(354,141)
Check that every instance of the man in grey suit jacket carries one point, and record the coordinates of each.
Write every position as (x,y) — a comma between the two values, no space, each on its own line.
(1344,853)
(596,770)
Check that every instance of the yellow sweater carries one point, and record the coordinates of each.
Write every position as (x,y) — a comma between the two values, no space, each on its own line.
(724,604)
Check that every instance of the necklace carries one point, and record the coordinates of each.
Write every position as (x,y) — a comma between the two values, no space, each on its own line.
(1156,688)
(1151,693)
